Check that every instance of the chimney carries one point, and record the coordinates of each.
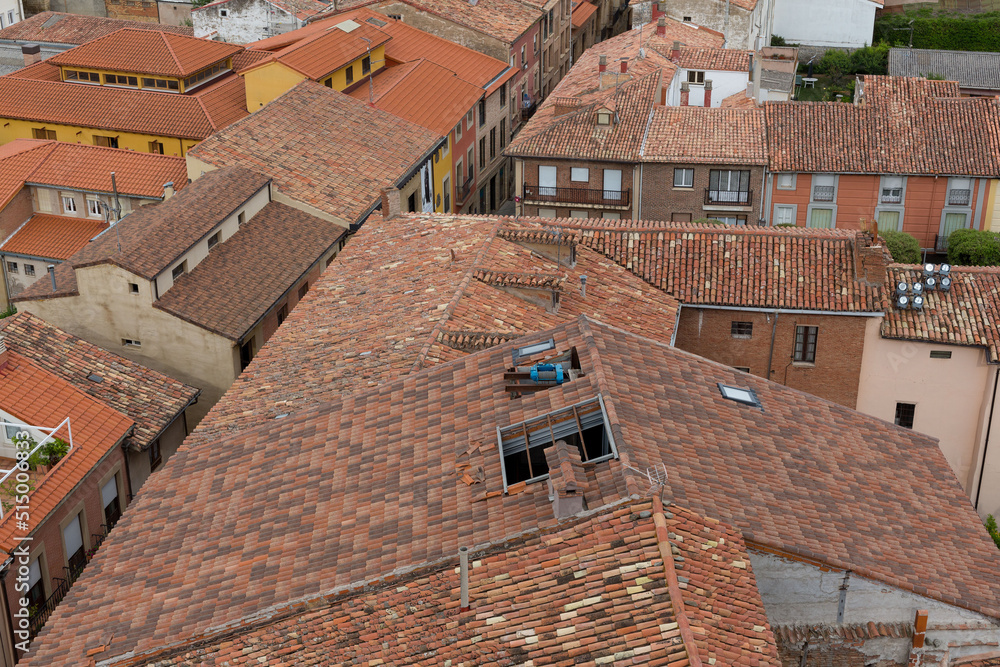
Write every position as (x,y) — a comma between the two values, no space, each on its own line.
(168,190)
(52,274)
(602,64)
(685,93)
(4,354)
(871,259)
(583,286)
(624,65)
(392,204)
(564,105)
(919,628)
(32,54)
(661,27)
(708,93)
(675,52)
(659,9)
(567,479)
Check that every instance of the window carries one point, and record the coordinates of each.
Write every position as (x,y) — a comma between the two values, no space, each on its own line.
(482,112)
(951,221)
(940,354)
(366,65)
(729,187)
(493,143)
(29,269)
(741,329)
(94,208)
(76,557)
(959,191)
(156,147)
(820,218)
(69,204)
(223,13)
(204,74)
(109,497)
(579,214)
(547,181)
(683,178)
(785,182)
(11,267)
(213,240)
(160,84)
(468,120)
(36,588)
(241,217)
(107,142)
(328,82)
(579,174)
(10,17)
(522,446)
(731,219)
(503,132)
(131,342)
(524,57)
(687,19)
(282,313)
(349,73)
(121,80)
(246,354)
(89,77)
(303,289)
(745,369)
(611,215)
(604,117)
(411,203)
(482,153)
(546,213)
(784,214)
(37,133)
(740,395)
(888,220)
(133,288)
(458,131)
(696,77)
(805,344)
(155,459)
(892,190)
(179,270)
(904,414)
(534,43)
(824,187)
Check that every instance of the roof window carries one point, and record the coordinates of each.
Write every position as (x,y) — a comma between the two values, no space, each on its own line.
(534,348)
(584,426)
(740,395)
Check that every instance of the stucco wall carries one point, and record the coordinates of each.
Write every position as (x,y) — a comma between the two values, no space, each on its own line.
(174,13)
(138,462)
(952,399)
(847,23)
(724,84)
(247,21)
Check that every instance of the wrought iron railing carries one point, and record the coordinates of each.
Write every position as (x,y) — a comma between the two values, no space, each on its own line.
(622,198)
(38,616)
(959,197)
(823,193)
(735,197)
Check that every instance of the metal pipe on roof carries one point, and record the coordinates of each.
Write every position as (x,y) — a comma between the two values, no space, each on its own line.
(52,274)
(463,561)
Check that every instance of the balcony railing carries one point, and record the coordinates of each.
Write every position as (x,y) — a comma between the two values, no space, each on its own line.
(528,112)
(464,190)
(891,197)
(823,193)
(38,616)
(959,197)
(622,198)
(734,197)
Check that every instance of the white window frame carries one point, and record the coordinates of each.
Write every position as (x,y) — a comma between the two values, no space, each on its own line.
(93,204)
(779,186)
(546,213)
(69,204)
(579,174)
(813,185)
(951,186)
(821,205)
(955,210)
(891,209)
(794,208)
(890,183)
(687,178)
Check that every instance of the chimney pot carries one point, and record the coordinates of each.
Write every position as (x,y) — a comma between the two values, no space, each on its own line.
(52,274)
(602,64)
(583,286)
(624,66)
(675,51)
(4,354)
(661,27)
(685,93)
(32,54)
(168,190)
(708,93)
(392,203)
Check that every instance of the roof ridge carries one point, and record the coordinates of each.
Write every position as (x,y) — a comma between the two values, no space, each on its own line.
(673,585)
(170,48)
(208,116)
(41,162)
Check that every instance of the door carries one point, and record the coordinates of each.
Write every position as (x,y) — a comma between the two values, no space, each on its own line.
(546,181)
(613,184)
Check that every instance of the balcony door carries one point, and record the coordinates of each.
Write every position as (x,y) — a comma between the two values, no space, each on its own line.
(729,186)
(547,181)
(613,184)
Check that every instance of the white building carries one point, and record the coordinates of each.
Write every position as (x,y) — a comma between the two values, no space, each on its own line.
(836,23)
(245,21)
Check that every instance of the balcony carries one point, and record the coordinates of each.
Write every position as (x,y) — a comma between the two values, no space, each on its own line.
(465,190)
(728,197)
(891,197)
(823,193)
(959,197)
(615,198)
(528,112)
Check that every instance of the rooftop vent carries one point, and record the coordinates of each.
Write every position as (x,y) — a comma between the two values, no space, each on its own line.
(348,26)
(379,23)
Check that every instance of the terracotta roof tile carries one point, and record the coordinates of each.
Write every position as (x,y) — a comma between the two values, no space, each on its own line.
(375,149)
(330,49)
(696,134)
(371,485)
(582,11)
(227,292)
(726,60)
(60,28)
(152,400)
(147,52)
(53,236)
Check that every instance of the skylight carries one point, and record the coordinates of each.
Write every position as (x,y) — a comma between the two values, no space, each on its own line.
(740,395)
(529,350)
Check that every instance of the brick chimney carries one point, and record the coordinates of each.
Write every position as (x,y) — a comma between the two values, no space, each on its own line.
(659,9)
(32,54)
(708,93)
(602,64)
(392,203)
(564,105)
(685,93)
(4,354)
(871,259)
(624,66)
(661,27)
(675,52)
(567,479)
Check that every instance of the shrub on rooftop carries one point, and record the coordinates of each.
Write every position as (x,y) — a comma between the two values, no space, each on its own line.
(991,528)
(940,30)
(971,247)
(904,248)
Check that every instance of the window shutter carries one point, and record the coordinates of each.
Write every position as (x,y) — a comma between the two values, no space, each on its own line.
(73,536)
(34,573)
(109,492)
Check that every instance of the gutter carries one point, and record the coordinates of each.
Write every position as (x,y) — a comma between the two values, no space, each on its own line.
(789,311)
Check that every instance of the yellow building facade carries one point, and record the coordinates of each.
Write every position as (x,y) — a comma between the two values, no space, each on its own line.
(13,128)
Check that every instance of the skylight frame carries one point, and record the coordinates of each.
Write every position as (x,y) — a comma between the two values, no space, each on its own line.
(742,395)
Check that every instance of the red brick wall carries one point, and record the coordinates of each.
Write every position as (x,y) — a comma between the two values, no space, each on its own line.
(15,213)
(661,200)
(830,653)
(270,324)
(564,180)
(49,532)
(839,344)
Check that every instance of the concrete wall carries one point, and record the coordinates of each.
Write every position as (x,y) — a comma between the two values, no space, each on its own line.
(848,23)
(174,13)
(724,84)
(797,593)
(952,397)
(245,21)
(139,463)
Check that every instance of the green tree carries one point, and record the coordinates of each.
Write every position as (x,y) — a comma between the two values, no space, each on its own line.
(904,248)
(971,247)
(991,528)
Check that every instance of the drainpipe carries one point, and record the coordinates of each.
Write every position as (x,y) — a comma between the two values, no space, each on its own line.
(986,443)
(770,353)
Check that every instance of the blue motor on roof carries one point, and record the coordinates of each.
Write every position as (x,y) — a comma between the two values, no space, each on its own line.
(547,373)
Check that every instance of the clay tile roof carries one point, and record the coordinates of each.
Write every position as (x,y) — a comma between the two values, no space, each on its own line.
(373,484)
(971,69)
(903,126)
(227,293)
(147,52)
(82,167)
(343,178)
(696,134)
(965,315)
(40,398)
(151,399)
(425,94)
(330,49)
(153,237)
(727,60)
(582,11)
(750,267)
(122,109)
(53,236)
(300,9)
(398,321)
(60,28)
(17,160)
